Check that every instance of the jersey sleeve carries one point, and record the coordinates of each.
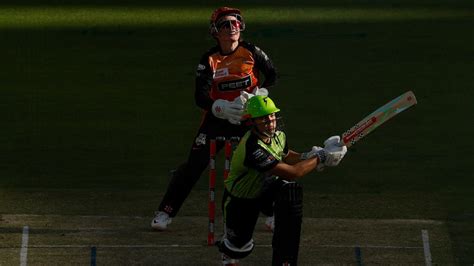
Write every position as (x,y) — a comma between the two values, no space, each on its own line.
(258,158)
(265,65)
(286,149)
(203,84)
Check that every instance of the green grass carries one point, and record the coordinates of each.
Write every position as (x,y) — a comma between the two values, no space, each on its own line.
(98,106)
(80,16)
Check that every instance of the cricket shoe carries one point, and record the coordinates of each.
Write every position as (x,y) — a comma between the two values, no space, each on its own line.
(228,261)
(161,221)
(270,223)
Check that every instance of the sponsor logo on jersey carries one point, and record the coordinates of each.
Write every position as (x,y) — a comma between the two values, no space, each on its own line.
(221,72)
(235,84)
(258,154)
(269,160)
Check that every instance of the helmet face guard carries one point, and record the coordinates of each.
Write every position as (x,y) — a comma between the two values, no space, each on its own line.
(217,23)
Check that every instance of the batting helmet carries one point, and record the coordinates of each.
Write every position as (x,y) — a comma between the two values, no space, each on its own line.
(260,105)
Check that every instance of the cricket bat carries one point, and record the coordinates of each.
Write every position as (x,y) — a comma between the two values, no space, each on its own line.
(377,118)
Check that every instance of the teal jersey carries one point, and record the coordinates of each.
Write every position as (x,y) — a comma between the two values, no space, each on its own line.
(251,159)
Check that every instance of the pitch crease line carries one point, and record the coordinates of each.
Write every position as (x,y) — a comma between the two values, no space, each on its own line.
(426,247)
(203,245)
(24,246)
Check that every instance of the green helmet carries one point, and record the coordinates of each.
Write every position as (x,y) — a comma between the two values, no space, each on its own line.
(259,106)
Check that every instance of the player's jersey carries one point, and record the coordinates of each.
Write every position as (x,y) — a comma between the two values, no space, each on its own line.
(221,76)
(251,159)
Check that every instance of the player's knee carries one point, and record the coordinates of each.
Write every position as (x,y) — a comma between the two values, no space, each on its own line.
(235,251)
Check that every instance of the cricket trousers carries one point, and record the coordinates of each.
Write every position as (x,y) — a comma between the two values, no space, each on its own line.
(240,216)
(185,176)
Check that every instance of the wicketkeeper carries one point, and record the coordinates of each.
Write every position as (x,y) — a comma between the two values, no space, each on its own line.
(263,170)
(226,76)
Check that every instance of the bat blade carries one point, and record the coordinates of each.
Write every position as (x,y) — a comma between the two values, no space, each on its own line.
(378,117)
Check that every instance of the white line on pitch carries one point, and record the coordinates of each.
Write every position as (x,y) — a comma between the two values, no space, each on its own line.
(368,246)
(118,246)
(426,247)
(199,246)
(24,246)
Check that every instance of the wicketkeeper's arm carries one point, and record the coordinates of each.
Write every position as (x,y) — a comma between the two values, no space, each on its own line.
(265,65)
(203,85)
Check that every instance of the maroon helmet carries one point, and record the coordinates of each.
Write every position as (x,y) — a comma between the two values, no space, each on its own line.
(216,24)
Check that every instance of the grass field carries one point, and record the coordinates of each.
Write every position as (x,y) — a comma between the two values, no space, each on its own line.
(97,105)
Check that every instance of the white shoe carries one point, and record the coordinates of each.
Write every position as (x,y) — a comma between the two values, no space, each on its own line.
(270,223)
(228,261)
(161,221)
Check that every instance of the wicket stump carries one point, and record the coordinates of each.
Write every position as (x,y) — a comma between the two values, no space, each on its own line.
(228,147)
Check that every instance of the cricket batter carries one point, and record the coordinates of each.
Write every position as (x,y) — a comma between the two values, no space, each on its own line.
(227,76)
(264,169)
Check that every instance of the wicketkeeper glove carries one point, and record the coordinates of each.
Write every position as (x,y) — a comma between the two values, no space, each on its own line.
(243,97)
(260,91)
(231,111)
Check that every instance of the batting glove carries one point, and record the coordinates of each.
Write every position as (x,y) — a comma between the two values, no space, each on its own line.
(335,151)
(315,152)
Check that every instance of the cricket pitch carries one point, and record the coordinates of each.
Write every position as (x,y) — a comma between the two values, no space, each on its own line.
(126,240)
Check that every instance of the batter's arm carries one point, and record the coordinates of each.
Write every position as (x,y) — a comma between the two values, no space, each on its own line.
(295,171)
(292,157)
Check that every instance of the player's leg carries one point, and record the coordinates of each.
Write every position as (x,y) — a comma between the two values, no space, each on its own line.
(183,180)
(288,218)
(267,201)
(240,217)
(186,175)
